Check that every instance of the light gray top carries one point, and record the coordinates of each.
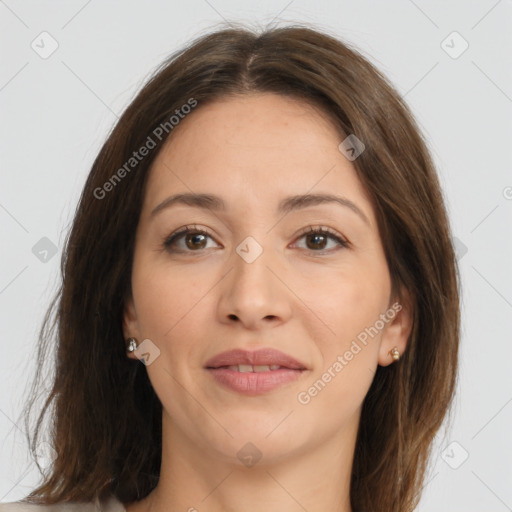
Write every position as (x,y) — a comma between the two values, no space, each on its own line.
(110,505)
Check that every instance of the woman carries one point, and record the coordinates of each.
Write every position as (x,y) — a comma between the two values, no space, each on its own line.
(259,308)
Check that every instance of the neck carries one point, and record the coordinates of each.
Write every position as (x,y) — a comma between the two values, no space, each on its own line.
(194,479)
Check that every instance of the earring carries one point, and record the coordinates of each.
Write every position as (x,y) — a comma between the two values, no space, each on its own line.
(131,344)
(394,353)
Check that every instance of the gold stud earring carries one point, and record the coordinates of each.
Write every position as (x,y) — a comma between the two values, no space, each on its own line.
(131,344)
(394,353)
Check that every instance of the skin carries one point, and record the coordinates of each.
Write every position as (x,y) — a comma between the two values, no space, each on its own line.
(253,151)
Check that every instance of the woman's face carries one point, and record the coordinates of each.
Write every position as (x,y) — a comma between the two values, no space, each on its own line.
(252,278)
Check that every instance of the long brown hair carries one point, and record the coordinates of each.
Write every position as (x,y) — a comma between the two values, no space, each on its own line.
(106,419)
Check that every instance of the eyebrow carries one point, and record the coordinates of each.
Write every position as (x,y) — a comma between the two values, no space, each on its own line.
(288,204)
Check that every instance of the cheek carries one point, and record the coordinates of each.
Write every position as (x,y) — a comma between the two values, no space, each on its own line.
(352,302)
(351,305)
(164,296)
(348,356)
(170,308)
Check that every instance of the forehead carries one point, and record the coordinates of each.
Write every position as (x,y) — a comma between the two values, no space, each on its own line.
(263,124)
(262,145)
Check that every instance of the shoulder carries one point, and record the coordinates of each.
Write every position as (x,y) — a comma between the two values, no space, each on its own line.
(109,505)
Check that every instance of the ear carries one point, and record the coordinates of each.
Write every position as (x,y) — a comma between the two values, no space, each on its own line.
(398,329)
(130,323)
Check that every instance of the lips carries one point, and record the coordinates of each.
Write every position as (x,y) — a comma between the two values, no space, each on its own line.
(254,373)
(265,359)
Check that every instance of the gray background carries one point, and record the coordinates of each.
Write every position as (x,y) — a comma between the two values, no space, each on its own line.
(56,112)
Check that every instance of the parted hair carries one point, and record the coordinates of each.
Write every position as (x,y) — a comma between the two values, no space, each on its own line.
(99,412)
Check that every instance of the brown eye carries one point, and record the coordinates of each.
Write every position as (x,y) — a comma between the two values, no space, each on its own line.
(316,241)
(195,241)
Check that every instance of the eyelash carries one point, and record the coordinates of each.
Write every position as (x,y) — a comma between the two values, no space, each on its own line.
(320,230)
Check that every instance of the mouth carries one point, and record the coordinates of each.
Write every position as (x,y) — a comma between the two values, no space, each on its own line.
(256,372)
(247,368)
(264,359)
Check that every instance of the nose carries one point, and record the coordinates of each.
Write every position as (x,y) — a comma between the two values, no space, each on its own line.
(254,293)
